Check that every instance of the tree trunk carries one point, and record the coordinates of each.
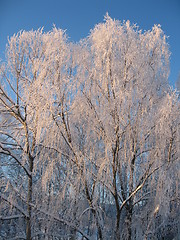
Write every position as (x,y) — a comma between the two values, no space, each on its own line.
(29,200)
(28,220)
(129,222)
(117,231)
(98,225)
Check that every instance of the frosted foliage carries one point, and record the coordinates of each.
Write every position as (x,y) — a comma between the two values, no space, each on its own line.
(89,136)
(129,55)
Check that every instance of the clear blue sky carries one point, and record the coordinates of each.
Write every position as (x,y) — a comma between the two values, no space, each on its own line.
(79,16)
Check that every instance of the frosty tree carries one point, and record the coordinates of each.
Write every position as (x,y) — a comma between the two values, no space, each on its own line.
(89,135)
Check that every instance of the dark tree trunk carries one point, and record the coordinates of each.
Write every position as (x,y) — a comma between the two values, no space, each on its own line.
(129,222)
(29,200)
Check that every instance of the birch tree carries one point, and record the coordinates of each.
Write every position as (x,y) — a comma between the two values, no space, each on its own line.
(124,77)
(89,136)
(31,82)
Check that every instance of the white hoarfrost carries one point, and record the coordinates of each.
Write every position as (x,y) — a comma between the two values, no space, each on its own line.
(89,135)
